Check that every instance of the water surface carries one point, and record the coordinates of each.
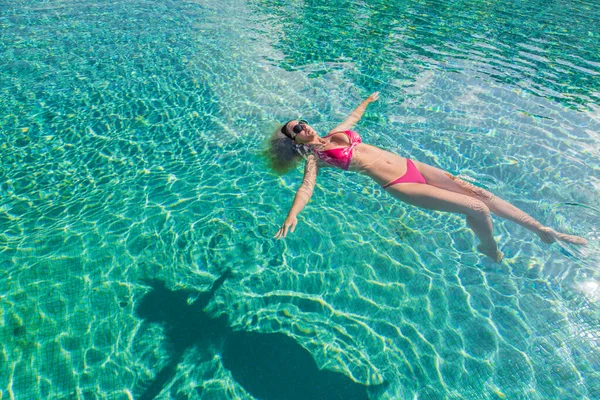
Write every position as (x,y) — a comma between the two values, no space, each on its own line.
(130,141)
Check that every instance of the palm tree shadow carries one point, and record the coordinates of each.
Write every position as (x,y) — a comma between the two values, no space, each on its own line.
(269,366)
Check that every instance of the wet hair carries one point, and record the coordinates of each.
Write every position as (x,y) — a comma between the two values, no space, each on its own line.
(284,131)
(282,153)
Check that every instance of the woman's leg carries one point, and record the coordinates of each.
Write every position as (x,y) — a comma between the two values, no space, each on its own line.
(501,208)
(434,198)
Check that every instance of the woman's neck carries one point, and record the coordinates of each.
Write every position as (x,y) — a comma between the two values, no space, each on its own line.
(316,141)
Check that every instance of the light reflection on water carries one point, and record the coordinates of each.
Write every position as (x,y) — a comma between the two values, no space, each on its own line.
(130,150)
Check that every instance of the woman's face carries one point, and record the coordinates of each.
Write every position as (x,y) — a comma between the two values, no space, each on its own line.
(302,131)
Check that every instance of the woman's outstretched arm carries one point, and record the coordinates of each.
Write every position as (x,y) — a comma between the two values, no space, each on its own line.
(303,195)
(355,115)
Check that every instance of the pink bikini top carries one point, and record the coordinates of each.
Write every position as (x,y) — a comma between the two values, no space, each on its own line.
(340,156)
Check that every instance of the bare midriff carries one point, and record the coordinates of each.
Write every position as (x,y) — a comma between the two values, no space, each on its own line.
(381,165)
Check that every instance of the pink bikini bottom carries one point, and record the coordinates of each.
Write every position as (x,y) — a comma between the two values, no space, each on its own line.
(412,175)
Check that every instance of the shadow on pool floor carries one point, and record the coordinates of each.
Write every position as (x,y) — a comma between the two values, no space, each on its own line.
(270,366)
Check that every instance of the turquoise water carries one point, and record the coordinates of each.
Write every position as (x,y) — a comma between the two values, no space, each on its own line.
(130,150)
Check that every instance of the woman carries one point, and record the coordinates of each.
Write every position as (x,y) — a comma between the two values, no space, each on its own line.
(407,180)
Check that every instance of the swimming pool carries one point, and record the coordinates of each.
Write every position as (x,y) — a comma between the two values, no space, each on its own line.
(130,141)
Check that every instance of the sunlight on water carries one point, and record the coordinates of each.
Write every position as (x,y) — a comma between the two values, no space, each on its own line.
(130,167)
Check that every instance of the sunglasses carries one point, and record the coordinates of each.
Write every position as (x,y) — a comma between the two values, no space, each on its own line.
(299,127)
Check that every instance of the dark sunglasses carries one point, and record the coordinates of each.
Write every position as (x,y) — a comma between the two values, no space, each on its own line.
(299,127)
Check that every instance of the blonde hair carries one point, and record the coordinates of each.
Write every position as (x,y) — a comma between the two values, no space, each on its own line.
(282,153)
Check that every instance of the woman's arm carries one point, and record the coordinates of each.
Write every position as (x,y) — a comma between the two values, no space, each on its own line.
(355,115)
(303,195)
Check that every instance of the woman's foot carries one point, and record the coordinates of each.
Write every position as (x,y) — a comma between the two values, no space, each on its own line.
(492,252)
(549,235)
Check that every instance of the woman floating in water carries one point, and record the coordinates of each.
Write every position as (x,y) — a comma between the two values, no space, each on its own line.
(407,180)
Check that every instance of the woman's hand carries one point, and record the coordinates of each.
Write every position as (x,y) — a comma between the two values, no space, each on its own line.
(373,97)
(289,225)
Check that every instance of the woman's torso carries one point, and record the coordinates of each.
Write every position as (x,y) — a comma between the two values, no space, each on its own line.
(381,165)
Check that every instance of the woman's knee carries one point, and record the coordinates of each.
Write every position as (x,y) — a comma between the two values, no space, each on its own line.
(478,209)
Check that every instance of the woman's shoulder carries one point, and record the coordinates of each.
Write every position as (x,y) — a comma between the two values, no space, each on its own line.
(316,161)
